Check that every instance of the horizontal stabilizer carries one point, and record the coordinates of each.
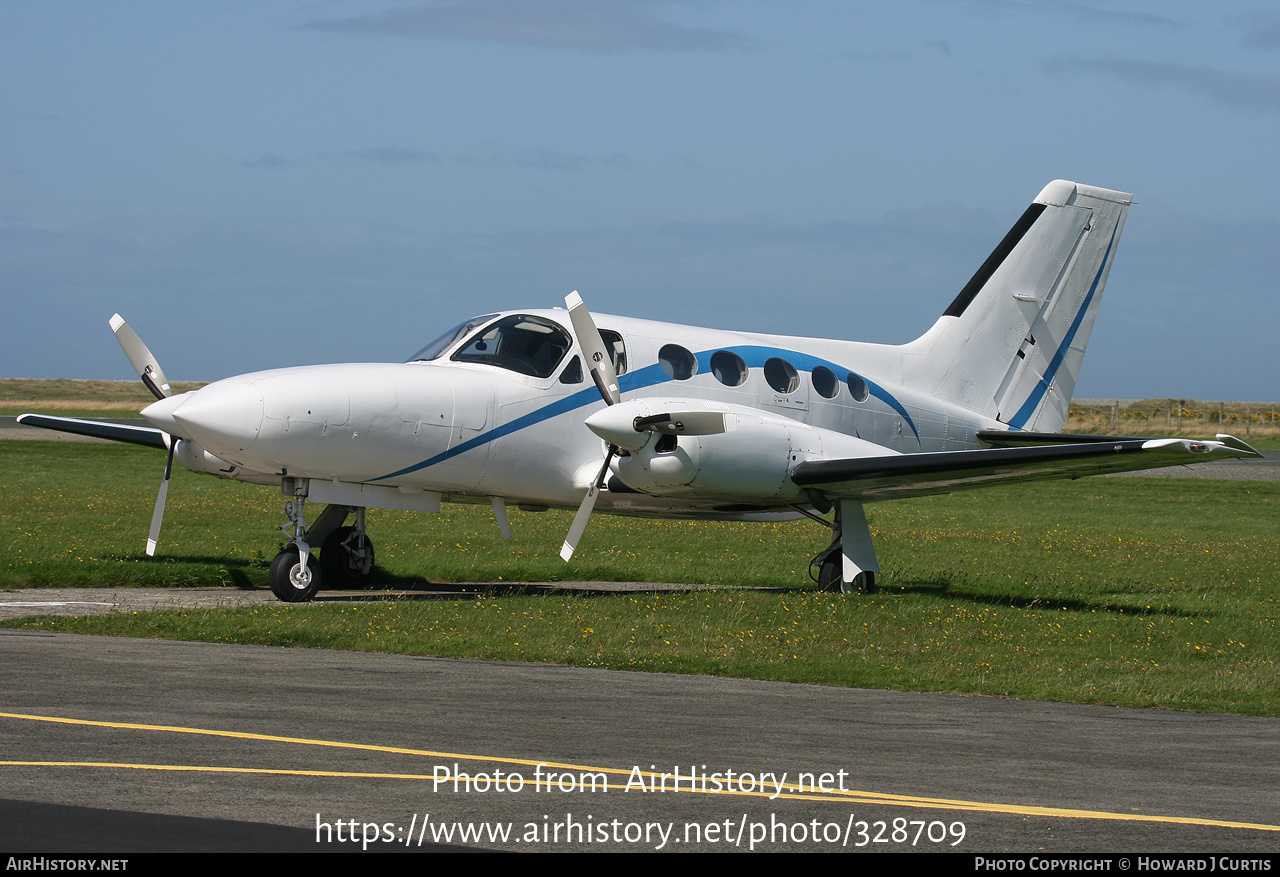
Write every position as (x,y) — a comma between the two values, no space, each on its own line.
(103,429)
(893,477)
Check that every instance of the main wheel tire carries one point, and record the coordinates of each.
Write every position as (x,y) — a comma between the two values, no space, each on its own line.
(864,583)
(340,563)
(829,573)
(289,581)
(831,577)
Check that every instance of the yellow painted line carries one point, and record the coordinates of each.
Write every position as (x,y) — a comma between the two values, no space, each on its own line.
(844,797)
(191,768)
(792,793)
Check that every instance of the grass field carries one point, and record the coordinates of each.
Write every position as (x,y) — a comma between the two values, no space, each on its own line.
(1145,592)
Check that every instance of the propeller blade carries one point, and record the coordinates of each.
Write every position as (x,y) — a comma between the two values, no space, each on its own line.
(599,362)
(579,525)
(143,362)
(158,515)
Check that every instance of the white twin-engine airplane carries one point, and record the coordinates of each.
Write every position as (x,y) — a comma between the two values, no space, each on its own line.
(556,408)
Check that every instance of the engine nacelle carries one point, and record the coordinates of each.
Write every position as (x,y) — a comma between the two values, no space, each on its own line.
(191,456)
(750,462)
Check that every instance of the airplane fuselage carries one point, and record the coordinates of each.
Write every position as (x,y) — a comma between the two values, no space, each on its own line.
(476,429)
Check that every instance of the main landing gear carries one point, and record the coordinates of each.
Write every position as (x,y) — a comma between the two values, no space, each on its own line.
(848,565)
(830,564)
(346,553)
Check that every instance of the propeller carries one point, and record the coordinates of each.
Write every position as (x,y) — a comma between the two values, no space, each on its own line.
(624,424)
(153,376)
(157,516)
(606,381)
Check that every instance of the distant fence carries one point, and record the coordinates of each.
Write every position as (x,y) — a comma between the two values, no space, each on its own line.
(1172,416)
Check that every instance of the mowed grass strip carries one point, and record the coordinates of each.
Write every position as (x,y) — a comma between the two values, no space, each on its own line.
(1141,592)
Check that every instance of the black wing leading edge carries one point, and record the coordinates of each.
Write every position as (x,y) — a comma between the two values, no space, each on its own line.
(116,432)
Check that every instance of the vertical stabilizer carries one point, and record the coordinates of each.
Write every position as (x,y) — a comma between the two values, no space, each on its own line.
(1011,343)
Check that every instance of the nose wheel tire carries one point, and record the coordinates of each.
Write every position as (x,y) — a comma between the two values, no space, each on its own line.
(292,582)
(346,558)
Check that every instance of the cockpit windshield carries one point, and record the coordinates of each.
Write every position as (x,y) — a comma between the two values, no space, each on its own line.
(445,341)
(519,343)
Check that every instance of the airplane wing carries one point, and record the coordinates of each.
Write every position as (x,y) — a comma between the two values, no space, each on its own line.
(116,432)
(1052,456)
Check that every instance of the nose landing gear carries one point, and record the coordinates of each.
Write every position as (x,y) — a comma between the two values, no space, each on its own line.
(294,576)
(346,553)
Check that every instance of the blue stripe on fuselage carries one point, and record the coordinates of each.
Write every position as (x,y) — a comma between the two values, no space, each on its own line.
(755,357)
(649,376)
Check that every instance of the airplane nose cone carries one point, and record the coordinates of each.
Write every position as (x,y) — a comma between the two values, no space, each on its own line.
(224,417)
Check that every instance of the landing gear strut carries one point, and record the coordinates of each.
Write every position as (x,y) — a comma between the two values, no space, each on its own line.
(848,565)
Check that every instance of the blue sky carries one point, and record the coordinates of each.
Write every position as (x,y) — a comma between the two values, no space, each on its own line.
(255,185)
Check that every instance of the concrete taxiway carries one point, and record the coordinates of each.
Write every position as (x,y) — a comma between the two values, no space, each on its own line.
(269,741)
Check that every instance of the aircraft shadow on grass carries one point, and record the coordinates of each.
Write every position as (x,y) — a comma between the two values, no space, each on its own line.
(938,587)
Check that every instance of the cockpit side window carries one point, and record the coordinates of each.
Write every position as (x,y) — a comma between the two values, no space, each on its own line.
(445,341)
(617,350)
(519,343)
(572,373)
